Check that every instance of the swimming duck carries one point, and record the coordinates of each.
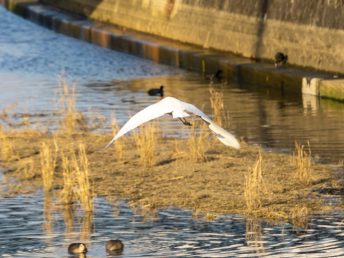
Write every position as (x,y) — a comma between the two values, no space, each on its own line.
(114,246)
(77,248)
(156,92)
(280,59)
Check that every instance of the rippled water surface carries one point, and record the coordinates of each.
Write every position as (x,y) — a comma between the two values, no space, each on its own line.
(42,229)
(32,59)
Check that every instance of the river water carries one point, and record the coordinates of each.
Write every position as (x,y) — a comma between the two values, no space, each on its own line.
(32,62)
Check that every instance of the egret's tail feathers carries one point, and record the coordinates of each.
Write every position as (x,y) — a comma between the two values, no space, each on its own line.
(225,137)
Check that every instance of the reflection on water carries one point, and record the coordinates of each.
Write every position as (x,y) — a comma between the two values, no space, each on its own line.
(171,232)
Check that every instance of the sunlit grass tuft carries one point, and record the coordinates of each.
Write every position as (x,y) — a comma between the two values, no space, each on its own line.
(48,157)
(254,186)
(84,191)
(6,146)
(197,142)
(72,119)
(76,182)
(26,167)
(146,142)
(216,101)
(303,162)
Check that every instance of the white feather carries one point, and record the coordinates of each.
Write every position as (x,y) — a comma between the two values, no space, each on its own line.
(177,109)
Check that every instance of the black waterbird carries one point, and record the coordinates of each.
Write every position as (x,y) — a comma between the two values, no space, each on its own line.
(156,92)
(280,59)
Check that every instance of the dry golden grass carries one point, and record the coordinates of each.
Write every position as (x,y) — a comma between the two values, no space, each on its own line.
(84,193)
(197,142)
(216,101)
(303,162)
(6,146)
(26,167)
(254,186)
(48,157)
(76,182)
(72,119)
(146,142)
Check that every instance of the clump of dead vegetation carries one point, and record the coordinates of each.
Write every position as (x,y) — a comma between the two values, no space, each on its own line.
(146,140)
(303,162)
(48,164)
(6,147)
(254,186)
(197,142)
(72,120)
(217,105)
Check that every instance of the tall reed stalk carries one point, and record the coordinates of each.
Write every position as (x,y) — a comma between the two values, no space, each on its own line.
(303,162)
(85,191)
(146,143)
(216,101)
(72,119)
(48,163)
(76,182)
(197,143)
(254,186)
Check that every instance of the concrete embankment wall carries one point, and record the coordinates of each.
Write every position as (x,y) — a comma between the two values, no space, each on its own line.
(310,32)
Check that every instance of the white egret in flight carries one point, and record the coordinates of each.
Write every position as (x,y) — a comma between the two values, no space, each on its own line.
(178,109)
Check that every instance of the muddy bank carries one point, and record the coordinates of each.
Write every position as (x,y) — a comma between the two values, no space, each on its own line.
(214,184)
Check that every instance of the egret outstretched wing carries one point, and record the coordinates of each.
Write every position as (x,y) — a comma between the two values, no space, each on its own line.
(149,113)
(177,109)
(225,137)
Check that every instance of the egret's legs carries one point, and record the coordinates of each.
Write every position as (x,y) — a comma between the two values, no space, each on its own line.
(184,121)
